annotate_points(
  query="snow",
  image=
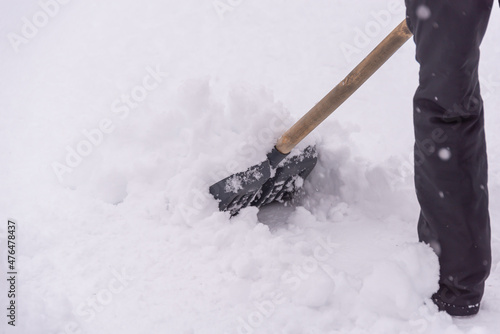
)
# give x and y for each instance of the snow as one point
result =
(118, 115)
(444, 153)
(423, 12)
(236, 182)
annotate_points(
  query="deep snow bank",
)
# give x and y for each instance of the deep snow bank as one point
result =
(137, 207)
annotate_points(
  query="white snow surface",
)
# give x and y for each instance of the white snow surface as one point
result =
(124, 237)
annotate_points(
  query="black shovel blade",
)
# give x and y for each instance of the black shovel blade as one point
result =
(275, 179)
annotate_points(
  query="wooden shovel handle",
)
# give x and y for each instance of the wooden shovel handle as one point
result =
(345, 88)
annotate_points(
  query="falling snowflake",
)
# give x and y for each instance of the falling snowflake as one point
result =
(444, 153)
(423, 12)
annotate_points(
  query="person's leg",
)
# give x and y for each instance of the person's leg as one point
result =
(450, 148)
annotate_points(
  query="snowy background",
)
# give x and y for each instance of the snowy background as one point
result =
(117, 115)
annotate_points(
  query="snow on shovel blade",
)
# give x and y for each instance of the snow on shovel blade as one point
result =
(275, 179)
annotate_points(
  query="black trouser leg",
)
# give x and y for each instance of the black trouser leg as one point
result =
(450, 148)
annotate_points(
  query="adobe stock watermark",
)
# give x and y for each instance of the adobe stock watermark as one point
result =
(222, 7)
(48, 10)
(417, 326)
(424, 149)
(291, 280)
(248, 150)
(489, 86)
(363, 36)
(87, 310)
(121, 108)
(435, 143)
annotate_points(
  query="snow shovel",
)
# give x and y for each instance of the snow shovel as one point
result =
(280, 177)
